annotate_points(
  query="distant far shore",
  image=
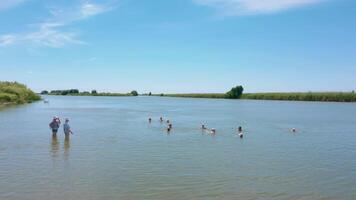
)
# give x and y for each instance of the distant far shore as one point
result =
(235, 93)
(76, 92)
(282, 96)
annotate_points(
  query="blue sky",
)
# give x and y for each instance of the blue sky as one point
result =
(179, 46)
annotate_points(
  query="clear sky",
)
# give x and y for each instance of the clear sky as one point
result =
(178, 46)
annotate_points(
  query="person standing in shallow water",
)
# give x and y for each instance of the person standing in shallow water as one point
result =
(66, 128)
(54, 125)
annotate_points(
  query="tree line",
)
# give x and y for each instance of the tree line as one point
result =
(76, 92)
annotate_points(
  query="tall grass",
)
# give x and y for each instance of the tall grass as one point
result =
(16, 93)
(294, 96)
(197, 95)
(304, 96)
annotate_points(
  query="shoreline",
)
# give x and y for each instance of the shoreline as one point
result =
(342, 97)
(336, 97)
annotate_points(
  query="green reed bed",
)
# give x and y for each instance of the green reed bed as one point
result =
(294, 96)
(304, 96)
(198, 95)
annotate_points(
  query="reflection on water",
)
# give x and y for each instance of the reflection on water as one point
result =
(54, 146)
(66, 146)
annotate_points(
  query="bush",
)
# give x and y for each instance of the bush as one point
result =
(134, 93)
(13, 92)
(235, 93)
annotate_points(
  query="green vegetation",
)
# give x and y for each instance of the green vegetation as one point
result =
(304, 96)
(76, 92)
(297, 96)
(235, 93)
(134, 93)
(197, 95)
(16, 93)
(63, 92)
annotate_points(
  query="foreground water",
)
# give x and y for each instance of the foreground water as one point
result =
(116, 154)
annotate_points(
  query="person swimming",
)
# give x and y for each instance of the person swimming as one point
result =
(170, 126)
(203, 127)
(293, 130)
(213, 131)
(168, 121)
(239, 130)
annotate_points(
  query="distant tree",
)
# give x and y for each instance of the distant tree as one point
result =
(44, 92)
(64, 92)
(149, 94)
(94, 92)
(161, 94)
(73, 91)
(353, 91)
(235, 92)
(134, 93)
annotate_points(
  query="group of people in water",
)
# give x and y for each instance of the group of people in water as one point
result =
(203, 127)
(212, 131)
(169, 124)
(56, 123)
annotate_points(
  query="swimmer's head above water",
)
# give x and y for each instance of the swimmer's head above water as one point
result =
(213, 131)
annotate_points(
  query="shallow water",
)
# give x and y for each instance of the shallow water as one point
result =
(116, 154)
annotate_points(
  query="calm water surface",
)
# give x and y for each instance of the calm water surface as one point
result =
(116, 154)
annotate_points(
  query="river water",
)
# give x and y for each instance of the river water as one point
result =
(116, 154)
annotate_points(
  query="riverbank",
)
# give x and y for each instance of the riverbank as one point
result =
(292, 96)
(196, 95)
(304, 96)
(16, 93)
